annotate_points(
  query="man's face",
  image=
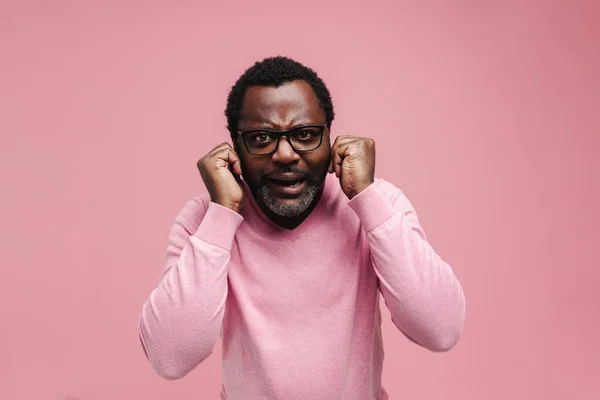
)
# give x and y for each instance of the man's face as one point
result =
(273, 179)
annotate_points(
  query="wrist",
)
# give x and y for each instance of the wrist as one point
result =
(359, 190)
(232, 205)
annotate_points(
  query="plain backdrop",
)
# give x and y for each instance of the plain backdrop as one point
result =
(485, 113)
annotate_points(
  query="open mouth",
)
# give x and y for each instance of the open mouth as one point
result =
(287, 187)
(294, 183)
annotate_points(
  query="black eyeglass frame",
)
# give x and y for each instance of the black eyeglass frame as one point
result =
(279, 134)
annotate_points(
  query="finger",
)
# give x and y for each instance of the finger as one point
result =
(330, 166)
(337, 160)
(338, 152)
(340, 140)
(210, 153)
(343, 150)
(332, 158)
(220, 147)
(230, 159)
(235, 164)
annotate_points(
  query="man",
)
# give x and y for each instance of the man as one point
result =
(287, 253)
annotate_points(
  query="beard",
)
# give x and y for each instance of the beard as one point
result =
(288, 208)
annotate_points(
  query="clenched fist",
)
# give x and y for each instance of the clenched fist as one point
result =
(353, 161)
(221, 170)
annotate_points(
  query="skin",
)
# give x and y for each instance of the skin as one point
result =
(283, 108)
(351, 158)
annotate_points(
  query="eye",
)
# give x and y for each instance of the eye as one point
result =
(262, 137)
(305, 134)
(259, 139)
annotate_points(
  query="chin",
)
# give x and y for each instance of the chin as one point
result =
(285, 207)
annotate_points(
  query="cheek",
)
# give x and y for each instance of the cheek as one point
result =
(251, 169)
(320, 160)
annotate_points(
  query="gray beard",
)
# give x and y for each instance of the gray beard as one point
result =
(284, 209)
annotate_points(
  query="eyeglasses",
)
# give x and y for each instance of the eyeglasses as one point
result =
(262, 142)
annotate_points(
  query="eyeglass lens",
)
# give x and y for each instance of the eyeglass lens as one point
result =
(302, 139)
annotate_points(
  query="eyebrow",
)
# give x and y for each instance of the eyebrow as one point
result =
(295, 126)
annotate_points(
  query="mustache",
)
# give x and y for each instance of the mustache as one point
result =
(288, 170)
(291, 170)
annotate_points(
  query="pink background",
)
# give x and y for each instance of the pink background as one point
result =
(486, 113)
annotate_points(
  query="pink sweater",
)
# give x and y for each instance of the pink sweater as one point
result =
(298, 310)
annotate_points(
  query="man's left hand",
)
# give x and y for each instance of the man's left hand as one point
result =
(353, 161)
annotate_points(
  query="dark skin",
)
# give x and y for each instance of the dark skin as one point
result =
(283, 108)
(351, 158)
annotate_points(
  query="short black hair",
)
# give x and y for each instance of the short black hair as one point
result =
(275, 71)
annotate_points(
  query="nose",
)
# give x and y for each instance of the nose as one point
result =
(285, 154)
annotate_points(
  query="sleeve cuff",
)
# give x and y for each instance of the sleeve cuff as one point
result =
(372, 208)
(219, 226)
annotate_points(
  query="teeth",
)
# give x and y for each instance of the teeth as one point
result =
(288, 183)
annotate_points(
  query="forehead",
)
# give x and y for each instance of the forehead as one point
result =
(281, 107)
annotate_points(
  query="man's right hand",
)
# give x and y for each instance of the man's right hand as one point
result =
(221, 170)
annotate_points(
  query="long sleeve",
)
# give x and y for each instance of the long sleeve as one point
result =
(425, 299)
(181, 320)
